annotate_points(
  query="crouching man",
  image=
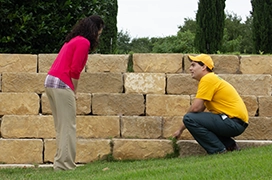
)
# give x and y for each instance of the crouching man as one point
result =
(227, 116)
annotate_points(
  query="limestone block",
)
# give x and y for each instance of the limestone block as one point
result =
(251, 104)
(19, 103)
(149, 127)
(133, 149)
(18, 63)
(21, 151)
(265, 103)
(0, 82)
(256, 64)
(83, 104)
(107, 63)
(157, 63)
(223, 64)
(98, 126)
(87, 150)
(171, 124)
(259, 128)
(247, 84)
(167, 105)
(101, 83)
(226, 64)
(23, 82)
(45, 62)
(181, 84)
(118, 104)
(145, 83)
(243, 144)
(190, 148)
(27, 126)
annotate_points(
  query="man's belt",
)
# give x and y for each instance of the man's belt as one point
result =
(243, 123)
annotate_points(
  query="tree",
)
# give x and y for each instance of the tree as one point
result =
(108, 40)
(123, 42)
(37, 26)
(262, 25)
(182, 43)
(189, 24)
(141, 45)
(210, 19)
(237, 35)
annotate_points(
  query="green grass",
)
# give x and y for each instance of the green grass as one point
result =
(253, 163)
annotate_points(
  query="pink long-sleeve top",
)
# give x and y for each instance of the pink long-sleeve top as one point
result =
(71, 60)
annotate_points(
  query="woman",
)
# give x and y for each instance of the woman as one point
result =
(61, 86)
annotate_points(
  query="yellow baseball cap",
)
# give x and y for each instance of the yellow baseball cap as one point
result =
(205, 59)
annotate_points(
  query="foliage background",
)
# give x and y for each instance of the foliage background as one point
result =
(41, 26)
(38, 26)
(237, 39)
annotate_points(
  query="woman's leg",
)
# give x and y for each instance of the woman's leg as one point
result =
(63, 105)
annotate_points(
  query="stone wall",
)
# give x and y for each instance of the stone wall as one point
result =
(121, 114)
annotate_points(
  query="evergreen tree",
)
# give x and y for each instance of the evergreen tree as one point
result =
(108, 40)
(262, 25)
(210, 20)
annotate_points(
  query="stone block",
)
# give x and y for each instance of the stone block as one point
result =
(27, 126)
(171, 125)
(167, 105)
(157, 63)
(83, 104)
(23, 82)
(135, 149)
(244, 144)
(251, 104)
(101, 83)
(181, 84)
(192, 148)
(118, 104)
(98, 126)
(18, 63)
(265, 103)
(45, 62)
(145, 83)
(21, 151)
(259, 128)
(256, 64)
(223, 64)
(88, 150)
(107, 63)
(246, 84)
(19, 104)
(144, 127)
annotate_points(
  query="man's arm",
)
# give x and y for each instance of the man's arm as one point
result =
(197, 106)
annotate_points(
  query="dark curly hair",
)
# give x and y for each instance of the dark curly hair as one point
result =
(87, 27)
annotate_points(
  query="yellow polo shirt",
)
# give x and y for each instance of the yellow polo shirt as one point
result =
(221, 97)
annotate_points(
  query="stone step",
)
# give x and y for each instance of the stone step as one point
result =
(192, 148)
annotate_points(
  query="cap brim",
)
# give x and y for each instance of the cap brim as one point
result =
(193, 58)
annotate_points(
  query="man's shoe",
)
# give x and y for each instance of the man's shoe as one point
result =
(235, 147)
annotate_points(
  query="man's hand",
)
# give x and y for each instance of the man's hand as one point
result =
(177, 133)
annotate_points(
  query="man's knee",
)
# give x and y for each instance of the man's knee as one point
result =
(187, 119)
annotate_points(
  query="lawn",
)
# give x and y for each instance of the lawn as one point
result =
(248, 164)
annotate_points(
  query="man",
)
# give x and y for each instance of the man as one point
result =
(227, 116)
